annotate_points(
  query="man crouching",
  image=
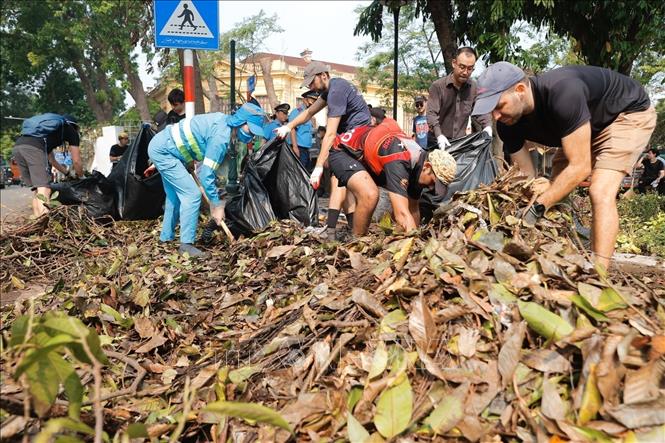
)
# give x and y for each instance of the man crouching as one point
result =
(383, 155)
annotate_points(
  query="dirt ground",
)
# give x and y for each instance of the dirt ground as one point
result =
(14, 206)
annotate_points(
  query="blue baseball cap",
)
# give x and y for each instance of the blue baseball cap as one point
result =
(496, 79)
(252, 115)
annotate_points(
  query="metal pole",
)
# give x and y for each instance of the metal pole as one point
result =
(396, 16)
(188, 80)
(232, 184)
(233, 75)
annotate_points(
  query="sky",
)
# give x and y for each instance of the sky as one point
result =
(325, 27)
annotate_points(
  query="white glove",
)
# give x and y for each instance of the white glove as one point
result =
(442, 141)
(654, 184)
(488, 129)
(315, 178)
(283, 131)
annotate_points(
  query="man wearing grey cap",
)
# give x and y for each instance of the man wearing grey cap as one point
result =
(601, 119)
(346, 110)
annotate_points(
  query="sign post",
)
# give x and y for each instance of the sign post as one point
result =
(187, 24)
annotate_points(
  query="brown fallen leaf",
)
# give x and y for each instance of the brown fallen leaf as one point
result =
(154, 342)
(144, 327)
(422, 326)
(545, 360)
(509, 355)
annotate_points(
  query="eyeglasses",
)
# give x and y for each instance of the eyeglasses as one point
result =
(419, 105)
(466, 68)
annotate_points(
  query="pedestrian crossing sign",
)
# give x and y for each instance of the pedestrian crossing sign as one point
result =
(187, 24)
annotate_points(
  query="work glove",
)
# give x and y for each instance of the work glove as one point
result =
(533, 214)
(283, 131)
(442, 141)
(315, 178)
(217, 213)
(488, 129)
(654, 184)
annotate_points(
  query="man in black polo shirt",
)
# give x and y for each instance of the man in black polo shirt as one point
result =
(601, 119)
(33, 154)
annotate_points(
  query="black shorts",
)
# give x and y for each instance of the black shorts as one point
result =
(33, 164)
(343, 165)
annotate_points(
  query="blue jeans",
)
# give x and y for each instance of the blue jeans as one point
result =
(183, 198)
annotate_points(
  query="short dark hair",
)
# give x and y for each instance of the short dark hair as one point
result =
(176, 96)
(321, 128)
(466, 50)
(654, 151)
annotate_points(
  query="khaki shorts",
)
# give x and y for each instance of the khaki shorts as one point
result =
(619, 145)
(34, 166)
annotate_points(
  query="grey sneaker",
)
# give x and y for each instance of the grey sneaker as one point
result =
(191, 250)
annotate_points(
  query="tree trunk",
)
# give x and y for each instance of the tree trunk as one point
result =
(215, 102)
(90, 93)
(199, 105)
(136, 91)
(266, 68)
(441, 12)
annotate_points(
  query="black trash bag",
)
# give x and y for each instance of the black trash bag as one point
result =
(275, 186)
(475, 166)
(95, 193)
(138, 197)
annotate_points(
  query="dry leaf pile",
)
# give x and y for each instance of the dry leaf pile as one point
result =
(477, 329)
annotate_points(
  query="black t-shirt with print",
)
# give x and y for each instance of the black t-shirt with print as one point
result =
(566, 98)
(400, 176)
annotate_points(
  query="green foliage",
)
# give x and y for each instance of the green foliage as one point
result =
(658, 136)
(251, 34)
(47, 348)
(603, 33)
(642, 220)
(419, 56)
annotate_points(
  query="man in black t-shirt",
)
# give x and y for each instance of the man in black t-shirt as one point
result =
(177, 101)
(118, 150)
(653, 173)
(601, 119)
(33, 155)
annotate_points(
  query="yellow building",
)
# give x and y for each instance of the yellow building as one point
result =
(287, 75)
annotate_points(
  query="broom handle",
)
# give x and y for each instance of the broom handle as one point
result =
(205, 196)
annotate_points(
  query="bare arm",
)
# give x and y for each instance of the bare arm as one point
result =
(577, 149)
(75, 151)
(402, 211)
(328, 139)
(55, 163)
(308, 114)
(414, 208)
(522, 159)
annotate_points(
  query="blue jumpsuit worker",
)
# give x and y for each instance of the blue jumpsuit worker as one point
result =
(301, 136)
(279, 119)
(204, 138)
